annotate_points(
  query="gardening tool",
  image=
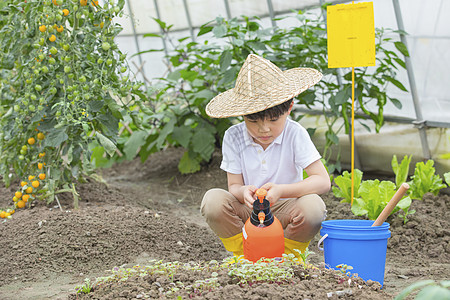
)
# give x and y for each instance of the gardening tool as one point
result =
(391, 204)
(263, 235)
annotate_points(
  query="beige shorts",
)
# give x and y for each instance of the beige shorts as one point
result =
(301, 218)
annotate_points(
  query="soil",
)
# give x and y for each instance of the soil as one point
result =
(138, 212)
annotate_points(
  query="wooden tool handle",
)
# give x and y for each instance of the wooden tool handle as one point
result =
(390, 206)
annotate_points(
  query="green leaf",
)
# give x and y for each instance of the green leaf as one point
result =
(433, 292)
(203, 143)
(343, 96)
(447, 178)
(188, 165)
(375, 195)
(204, 30)
(358, 207)
(162, 24)
(109, 146)
(136, 140)
(402, 48)
(408, 290)
(182, 135)
(96, 105)
(175, 75)
(114, 107)
(344, 185)
(229, 76)
(395, 82)
(205, 94)
(425, 180)
(256, 45)
(56, 137)
(396, 102)
(225, 60)
(404, 204)
(219, 30)
(188, 75)
(252, 26)
(332, 137)
(401, 171)
(152, 35)
(109, 124)
(400, 62)
(97, 157)
(165, 131)
(315, 48)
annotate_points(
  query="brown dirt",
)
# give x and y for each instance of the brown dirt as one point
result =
(149, 211)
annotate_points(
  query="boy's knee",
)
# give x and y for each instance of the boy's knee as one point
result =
(213, 203)
(314, 209)
(309, 212)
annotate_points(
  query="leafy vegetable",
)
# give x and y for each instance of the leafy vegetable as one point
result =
(425, 180)
(344, 183)
(447, 178)
(400, 171)
(374, 196)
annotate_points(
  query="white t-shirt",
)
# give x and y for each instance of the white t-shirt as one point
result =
(281, 163)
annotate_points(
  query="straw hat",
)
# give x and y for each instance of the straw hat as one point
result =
(260, 85)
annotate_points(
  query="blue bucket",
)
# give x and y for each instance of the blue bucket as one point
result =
(356, 243)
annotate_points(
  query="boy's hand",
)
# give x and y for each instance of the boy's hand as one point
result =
(249, 195)
(274, 192)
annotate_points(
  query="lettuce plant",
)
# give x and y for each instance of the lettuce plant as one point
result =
(374, 196)
(447, 178)
(400, 170)
(425, 180)
(344, 186)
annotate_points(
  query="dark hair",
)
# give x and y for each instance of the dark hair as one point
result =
(271, 113)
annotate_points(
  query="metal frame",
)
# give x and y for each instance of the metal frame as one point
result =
(419, 122)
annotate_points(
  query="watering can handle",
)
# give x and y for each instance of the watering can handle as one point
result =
(320, 241)
(391, 205)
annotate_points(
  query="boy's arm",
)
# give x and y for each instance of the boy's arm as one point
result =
(244, 193)
(318, 182)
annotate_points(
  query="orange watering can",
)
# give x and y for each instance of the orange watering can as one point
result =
(263, 235)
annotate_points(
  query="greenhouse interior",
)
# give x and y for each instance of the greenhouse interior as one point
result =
(212, 149)
(421, 124)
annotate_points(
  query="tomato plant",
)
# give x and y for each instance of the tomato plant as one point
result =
(64, 85)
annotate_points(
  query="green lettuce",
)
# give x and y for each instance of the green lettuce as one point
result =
(344, 185)
(401, 170)
(447, 178)
(425, 180)
(373, 198)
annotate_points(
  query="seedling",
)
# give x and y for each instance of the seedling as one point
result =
(344, 269)
(85, 288)
(304, 255)
(344, 272)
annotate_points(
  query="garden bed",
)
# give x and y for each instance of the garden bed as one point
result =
(145, 212)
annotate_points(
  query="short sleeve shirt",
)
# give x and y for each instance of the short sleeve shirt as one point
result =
(282, 162)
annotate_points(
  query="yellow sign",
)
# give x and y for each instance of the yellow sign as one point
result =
(351, 35)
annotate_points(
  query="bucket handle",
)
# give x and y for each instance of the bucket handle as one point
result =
(320, 241)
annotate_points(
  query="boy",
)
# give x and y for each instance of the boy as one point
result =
(267, 150)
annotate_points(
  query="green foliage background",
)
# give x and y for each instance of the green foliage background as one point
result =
(199, 70)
